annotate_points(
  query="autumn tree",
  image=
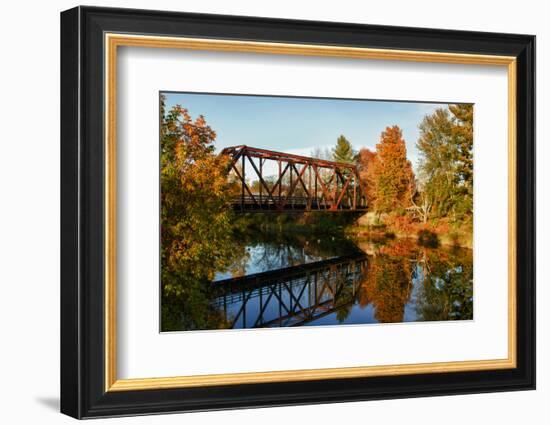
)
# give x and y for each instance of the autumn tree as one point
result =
(343, 151)
(195, 213)
(367, 165)
(392, 172)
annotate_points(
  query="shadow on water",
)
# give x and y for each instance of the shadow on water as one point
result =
(282, 279)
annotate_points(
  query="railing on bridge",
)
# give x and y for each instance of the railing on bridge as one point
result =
(292, 296)
(300, 183)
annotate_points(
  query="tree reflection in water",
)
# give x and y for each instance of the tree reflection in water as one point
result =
(267, 283)
(435, 283)
(446, 290)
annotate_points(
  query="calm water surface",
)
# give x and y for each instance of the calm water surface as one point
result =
(328, 280)
(288, 252)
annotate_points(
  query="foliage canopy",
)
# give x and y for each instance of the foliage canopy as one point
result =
(195, 213)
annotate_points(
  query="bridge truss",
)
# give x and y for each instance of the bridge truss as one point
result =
(299, 183)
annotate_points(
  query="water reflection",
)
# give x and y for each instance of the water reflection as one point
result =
(279, 251)
(308, 280)
(292, 296)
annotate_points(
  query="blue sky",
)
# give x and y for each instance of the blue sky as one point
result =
(299, 125)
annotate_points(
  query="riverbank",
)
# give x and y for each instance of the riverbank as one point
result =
(319, 223)
(348, 225)
(440, 231)
(424, 236)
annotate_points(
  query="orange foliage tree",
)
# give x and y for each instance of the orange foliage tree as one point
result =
(366, 161)
(387, 174)
(194, 203)
(195, 217)
(394, 174)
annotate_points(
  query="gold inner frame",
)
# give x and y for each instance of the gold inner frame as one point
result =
(113, 41)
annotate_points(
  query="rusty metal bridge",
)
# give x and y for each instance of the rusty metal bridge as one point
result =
(300, 183)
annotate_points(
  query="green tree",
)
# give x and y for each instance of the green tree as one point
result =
(437, 161)
(446, 161)
(343, 151)
(463, 136)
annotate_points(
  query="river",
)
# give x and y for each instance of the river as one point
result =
(278, 280)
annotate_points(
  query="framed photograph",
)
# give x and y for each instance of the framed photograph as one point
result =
(261, 212)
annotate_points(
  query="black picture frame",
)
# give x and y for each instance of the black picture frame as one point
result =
(83, 392)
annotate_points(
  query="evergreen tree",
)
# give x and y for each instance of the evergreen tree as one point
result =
(446, 163)
(392, 174)
(342, 152)
(463, 137)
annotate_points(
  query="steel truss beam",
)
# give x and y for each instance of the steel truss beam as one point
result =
(302, 183)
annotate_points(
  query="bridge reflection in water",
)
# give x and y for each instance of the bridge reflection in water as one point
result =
(291, 296)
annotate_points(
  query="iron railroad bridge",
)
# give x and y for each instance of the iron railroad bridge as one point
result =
(302, 183)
